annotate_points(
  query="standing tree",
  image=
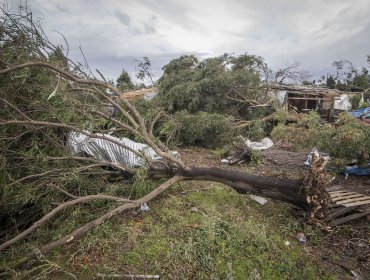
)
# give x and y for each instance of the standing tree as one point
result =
(124, 81)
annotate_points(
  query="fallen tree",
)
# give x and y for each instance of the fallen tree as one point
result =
(89, 98)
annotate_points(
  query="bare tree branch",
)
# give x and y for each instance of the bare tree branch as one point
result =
(93, 224)
(62, 206)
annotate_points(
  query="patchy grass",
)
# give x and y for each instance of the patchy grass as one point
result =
(208, 234)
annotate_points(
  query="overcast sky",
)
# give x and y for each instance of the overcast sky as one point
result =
(113, 33)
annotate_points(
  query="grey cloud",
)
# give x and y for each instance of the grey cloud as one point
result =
(62, 8)
(148, 29)
(314, 33)
(123, 18)
(136, 28)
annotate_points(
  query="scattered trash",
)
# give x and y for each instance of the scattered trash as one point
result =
(244, 150)
(315, 153)
(194, 209)
(350, 170)
(258, 199)
(357, 170)
(144, 207)
(287, 243)
(265, 144)
(301, 237)
(354, 273)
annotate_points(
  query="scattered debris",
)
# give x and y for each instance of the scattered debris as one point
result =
(287, 243)
(359, 112)
(315, 153)
(144, 207)
(301, 237)
(109, 149)
(265, 144)
(261, 200)
(194, 209)
(357, 170)
(244, 150)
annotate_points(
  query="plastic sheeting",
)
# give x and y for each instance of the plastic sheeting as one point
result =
(357, 170)
(359, 112)
(265, 144)
(103, 149)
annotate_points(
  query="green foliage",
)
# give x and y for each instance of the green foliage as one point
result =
(124, 81)
(141, 184)
(309, 120)
(145, 73)
(32, 180)
(214, 85)
(257, 131)
(348, 139)
(355, 101)
(365, 105)
(204, 129)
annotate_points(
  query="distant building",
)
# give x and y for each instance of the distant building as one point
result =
(327, 102)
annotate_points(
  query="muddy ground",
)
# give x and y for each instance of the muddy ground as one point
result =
(344, 250)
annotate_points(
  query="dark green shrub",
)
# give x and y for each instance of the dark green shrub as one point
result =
(203, 129)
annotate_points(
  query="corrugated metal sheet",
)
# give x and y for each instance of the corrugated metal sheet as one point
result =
(103, 149)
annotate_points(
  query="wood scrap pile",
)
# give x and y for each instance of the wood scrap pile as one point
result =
(241, 154)
(331, 205)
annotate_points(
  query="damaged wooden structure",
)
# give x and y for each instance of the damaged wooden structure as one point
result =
(346, 206)
(327, 102)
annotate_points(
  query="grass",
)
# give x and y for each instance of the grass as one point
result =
(209, 234)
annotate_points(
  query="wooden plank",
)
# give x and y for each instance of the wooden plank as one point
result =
(353, 200)
(338, 198)
(341, 191)
(344, 195)
(336, 193)
(364, 202)
(348, 218)
(341, 212)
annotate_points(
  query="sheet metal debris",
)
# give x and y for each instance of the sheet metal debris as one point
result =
(104, 149)
(259, 199)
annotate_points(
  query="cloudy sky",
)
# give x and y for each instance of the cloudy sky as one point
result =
(115, 33)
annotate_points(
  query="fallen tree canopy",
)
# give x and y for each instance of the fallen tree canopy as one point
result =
(46, 96)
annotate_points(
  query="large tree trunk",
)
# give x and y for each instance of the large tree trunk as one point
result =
(283, 189)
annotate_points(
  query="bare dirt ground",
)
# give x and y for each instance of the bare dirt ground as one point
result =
(345, 250)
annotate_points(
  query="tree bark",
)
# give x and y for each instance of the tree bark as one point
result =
(283, 189)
